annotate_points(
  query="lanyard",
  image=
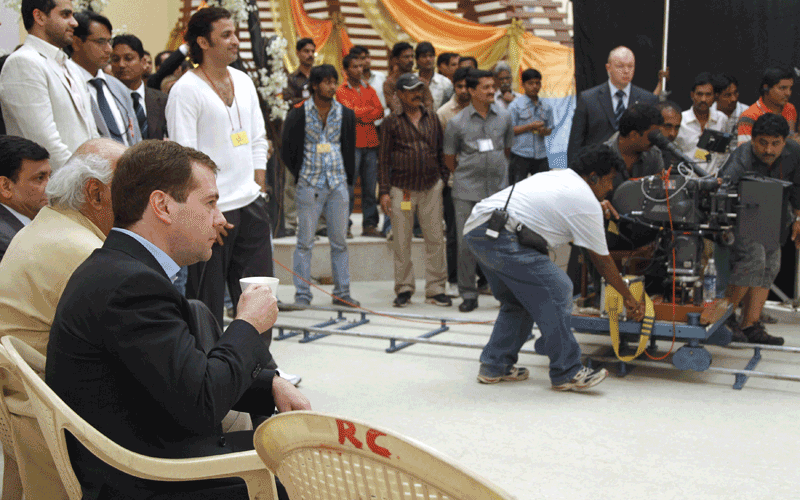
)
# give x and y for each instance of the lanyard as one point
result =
(223, 100)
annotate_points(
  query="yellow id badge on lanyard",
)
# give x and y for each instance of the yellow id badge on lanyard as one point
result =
(405, 205)
(324, 147)
(239, 139)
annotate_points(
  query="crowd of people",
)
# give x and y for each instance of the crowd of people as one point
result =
(132, 200)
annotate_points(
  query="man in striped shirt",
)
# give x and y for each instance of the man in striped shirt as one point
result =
(412, 175)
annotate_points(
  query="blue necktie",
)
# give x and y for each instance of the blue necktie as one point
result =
(620, 107)
(105, 110)
(140, 116)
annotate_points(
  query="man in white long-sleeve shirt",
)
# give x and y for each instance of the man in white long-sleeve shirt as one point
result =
(43, 95)
(215, 109)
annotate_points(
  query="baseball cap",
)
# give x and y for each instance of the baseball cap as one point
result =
(408, 81)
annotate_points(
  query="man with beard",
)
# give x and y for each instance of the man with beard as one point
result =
(319, 141)
(43, 95)
(697, 120)
(215, 109)
(402, 60)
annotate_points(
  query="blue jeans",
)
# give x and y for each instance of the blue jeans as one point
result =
(367, 168)
(311, 203)
(530, 288)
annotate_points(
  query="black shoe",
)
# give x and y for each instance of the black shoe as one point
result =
(346, 301)
(756, 334)
(323, 232)
(286, 233)
(439, 300)
(736, 331)
(468, 305)
(403, 299)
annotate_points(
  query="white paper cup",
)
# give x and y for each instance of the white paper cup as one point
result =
(261, 280)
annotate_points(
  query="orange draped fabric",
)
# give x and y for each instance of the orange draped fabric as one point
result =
(318, 30)
(447, 32)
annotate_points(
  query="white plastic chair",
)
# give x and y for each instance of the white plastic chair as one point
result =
(12, 482)
(319, 456)
(55, 417)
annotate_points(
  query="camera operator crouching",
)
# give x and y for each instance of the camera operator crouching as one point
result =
(753, 267)
(510, 233)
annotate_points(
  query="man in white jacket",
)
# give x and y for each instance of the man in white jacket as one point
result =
(43, 96)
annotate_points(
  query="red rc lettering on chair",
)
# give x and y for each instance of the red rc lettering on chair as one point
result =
(347, 430)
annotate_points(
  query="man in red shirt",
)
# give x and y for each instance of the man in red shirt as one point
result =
(776, 89)
(357, 95)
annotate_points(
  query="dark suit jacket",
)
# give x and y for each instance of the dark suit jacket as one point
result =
(123, 355)
(9, 227)
(294, 135)
(593, 122)
(156, 102)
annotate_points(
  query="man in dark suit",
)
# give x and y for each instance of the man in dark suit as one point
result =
(123, 348)
(127, 64)
(24, 172)
(598, 109)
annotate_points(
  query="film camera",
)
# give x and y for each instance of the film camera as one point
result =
(678, 212)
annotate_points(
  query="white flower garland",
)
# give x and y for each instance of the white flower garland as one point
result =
(238, 8)
(271, 81)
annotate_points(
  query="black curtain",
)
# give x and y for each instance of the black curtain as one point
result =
(738, 37)
(601, 26)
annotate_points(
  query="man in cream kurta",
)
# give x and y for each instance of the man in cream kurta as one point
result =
(33, 274)
(43, 96)
(34, 271)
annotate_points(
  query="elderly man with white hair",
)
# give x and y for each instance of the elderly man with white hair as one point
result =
(503, 84)
(33, 274)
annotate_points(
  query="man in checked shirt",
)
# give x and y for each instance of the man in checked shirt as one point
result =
(411, 175)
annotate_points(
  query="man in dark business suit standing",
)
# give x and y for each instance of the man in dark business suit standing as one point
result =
(598, 109)
(127, 64)
(124, 351)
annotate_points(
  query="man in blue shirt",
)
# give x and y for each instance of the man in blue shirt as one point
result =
(533, 121)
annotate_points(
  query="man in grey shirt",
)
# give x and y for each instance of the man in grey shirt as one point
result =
(477, 144)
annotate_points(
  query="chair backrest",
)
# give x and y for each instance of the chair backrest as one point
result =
(48, 409)
(6, 431)
(55, 417)
(313, 452)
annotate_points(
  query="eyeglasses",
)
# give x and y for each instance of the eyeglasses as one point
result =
(100, 41)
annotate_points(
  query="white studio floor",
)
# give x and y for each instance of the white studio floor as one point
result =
(655, 434)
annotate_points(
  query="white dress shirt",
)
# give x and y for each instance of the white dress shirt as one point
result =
(25, 220)
(376, 79)
(439, 86)
(625, 98)
(690, 133)
(45, 99)
(110, 99)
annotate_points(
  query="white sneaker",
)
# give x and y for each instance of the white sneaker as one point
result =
(452, 290)
(583, 380)
(292, 379)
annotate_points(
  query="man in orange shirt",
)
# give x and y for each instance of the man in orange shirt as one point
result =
(775, 89)
(357, 95)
